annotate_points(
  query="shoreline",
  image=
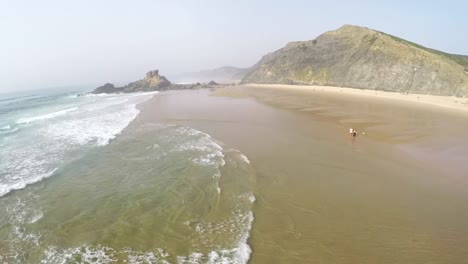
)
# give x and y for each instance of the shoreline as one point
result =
(447, 102)
(242, 252)
(315, 200)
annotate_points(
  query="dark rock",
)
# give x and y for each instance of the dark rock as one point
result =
(106, 88)
(152, 82)
(152, 74)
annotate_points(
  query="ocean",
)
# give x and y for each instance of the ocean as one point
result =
(83, 181)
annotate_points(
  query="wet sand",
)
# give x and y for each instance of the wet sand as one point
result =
(451, 102)
(396, 194)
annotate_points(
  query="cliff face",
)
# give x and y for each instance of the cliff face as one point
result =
(359, 57)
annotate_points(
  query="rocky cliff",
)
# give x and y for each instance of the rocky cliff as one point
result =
(359, 57)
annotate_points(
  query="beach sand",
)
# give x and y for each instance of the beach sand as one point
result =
(435, 100)
(395, 194)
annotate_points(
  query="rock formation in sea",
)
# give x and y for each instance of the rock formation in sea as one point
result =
(152, 82)
(359, 57)
(107, 88)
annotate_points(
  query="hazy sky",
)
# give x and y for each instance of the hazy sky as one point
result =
(63, 43)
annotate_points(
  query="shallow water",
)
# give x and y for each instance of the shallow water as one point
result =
(41, 133)
(156, 193)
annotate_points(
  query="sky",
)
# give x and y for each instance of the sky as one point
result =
(57, 43)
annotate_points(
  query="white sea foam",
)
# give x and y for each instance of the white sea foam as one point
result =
(248, 196)
(27, 163)
(95, 95)
(94, 128)
(147, 257)
(21, 235)
(207, 151)
(28, 120)
(7, 127)
(121, 94)
(103, 254)
(194, 258)
(211, 153)
(244, 158)
(19, 213)
(104, 104)
(237, 255)
(243, 250)
(36, 217)
(87, 254)
(9, 130)
(23, 181)
(44, 147)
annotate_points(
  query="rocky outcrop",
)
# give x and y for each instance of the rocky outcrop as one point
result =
(152, 82)
(107, 88)
(363, 58)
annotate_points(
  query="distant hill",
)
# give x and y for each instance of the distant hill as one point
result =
(359, 57)
(225, 74)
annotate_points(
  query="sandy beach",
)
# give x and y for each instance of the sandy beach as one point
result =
(451, 102)
(395, 194)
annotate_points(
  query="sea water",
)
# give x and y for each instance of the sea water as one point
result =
(81, 183)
